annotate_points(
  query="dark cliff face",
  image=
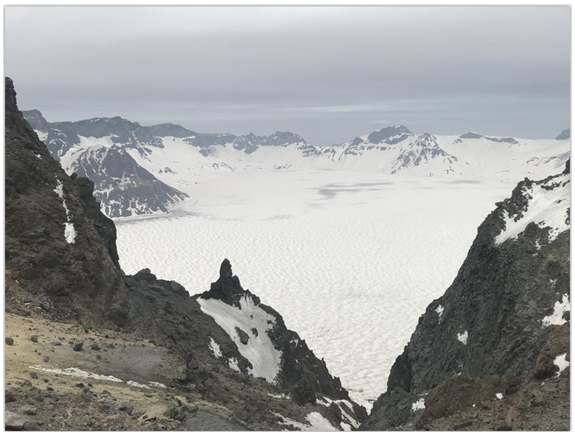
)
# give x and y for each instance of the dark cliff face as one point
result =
(505, 316)
(59, 247)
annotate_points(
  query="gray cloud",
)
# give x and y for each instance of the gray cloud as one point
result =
(325, 73)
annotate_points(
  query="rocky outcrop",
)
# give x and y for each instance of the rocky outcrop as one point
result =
(258, 326)
(564, 135)
(497, 341)
(59, 249)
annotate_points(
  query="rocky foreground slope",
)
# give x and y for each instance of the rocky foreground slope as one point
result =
(493, 352)
(88, 347)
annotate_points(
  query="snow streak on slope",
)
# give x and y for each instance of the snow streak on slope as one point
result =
(351, 260)
(259, 350)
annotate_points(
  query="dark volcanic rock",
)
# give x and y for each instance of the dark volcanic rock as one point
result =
(244, 337)
(79, 277)
(9, 341)
(490, 325)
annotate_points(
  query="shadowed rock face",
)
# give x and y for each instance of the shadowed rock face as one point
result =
(122, 186)
(490, 325)
(78, 279)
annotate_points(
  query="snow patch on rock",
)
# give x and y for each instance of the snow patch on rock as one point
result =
(463, 337)
(79, 373)
(548, 207)
(316, 423)
(561, 362)
(69, 230)
(215, 348)
(439, 311)
(561, 307)
(259, 351)
(416, 406)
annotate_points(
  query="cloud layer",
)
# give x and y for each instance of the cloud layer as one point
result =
(328, 74)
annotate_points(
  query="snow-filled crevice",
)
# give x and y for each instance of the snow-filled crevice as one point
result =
(69, 230)
(259, 351)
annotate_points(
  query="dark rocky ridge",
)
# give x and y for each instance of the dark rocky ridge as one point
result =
(82, 283)
(80, 280)
(564, 135)
(61, 136)
(123, 187)
(485, 336)
(473, 135)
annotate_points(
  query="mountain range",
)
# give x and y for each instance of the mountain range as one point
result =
(148, 169)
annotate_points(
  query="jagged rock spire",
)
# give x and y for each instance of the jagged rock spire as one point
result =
(227, 288)
(226, 269)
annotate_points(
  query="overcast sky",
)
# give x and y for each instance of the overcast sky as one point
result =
(329, 74)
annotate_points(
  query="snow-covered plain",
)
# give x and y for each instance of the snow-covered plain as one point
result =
(350, 259)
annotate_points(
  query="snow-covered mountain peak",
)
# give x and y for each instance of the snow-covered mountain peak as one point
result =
(425, 150)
